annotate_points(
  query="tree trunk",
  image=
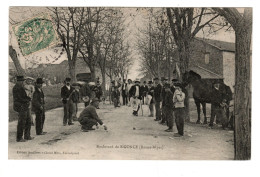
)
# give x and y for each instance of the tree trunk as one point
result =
(13, 55)
(184, 56)
(93, 73)
(103, 74)
(72, 71)
(243, 93)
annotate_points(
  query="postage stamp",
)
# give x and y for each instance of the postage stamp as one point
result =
(35, 34)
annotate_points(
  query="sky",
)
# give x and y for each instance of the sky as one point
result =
(134, 20)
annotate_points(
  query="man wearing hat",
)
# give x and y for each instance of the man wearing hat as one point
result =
(150, 98)
(66, 92)
(124, 89)
(144, 91)
(21, 103)
(164, 81)
(88, 117)
(85, 94)
(168, 107)
(38, 107)
(29, 89)
(98, 91)
(157, 98)
(114, 94)
(129, 86)
(135, 92)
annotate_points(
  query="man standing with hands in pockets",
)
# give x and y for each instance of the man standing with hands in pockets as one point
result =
(66, 92)
(38, 107)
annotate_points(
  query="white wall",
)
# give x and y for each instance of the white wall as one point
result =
(229, 69)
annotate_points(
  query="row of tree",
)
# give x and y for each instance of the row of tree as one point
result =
(95, 35)
(157, 45)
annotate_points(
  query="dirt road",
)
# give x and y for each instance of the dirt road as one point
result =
(128, 137)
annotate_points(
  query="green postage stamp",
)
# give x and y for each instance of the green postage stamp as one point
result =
(35, 34)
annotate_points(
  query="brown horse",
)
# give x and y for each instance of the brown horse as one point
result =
(202, 91)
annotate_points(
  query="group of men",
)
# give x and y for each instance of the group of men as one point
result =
(26, 98)
(91, 96)
(123, 89)
(167, 98)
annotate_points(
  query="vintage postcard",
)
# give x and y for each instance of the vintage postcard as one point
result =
(129, 83)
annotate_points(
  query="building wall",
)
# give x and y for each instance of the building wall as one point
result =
(198, 51)
(229, 69)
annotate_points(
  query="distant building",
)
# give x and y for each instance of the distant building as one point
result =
(213, 60)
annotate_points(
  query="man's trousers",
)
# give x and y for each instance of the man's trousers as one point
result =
(220, 114)
(68, 111)
(179, 119)
(169, 116)
(24, 125)
(39, 121)
(158, 110)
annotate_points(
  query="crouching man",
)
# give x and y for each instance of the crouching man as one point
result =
(88, 117)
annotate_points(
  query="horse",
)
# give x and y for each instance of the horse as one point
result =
(202, 92)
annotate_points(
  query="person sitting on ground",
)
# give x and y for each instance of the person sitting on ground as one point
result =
(88, 117)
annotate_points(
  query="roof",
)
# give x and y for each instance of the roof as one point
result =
(221, 45)
(205, 73)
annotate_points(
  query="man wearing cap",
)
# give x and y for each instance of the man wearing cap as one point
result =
(38, 107)
(21, 104)
(150, 97)
(29, 89)
(164, 81)
(157, 98)
(174, 81)
(88, 117)
(135, 92)
(66, 92)
(179, 109)
(218, 103)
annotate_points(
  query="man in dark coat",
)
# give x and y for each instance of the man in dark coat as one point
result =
(150, 96)
(164, 81)
(21, 105)
(38, 107)
(144, 91)
(114, 94)
(124, 92)
(135, 92)
(157, 98)
(66, 92)
(88, 117)
(98, 90)
(85, 94)
(168, 107)
(217, 105)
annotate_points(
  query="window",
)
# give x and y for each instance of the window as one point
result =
(207, 58)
